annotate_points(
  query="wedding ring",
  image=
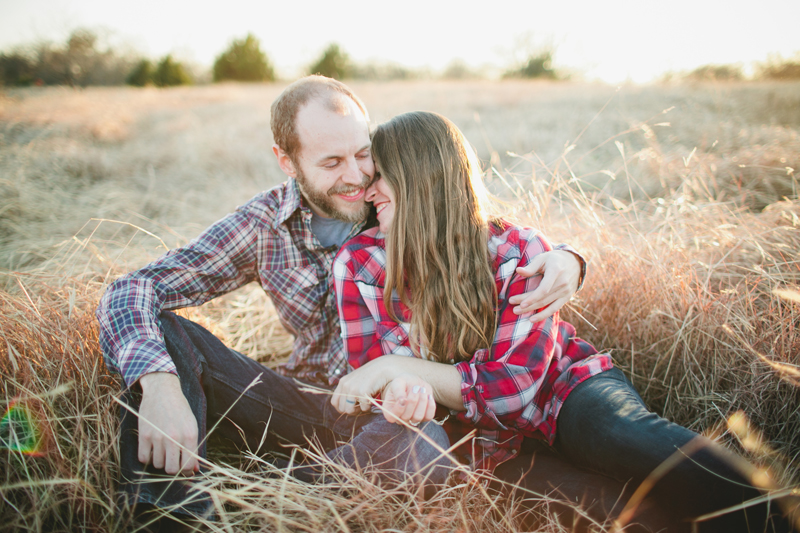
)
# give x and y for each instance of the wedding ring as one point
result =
(415, 424)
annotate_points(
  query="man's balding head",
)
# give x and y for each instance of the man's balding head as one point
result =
(331, 93)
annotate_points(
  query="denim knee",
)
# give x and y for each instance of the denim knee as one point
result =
(398, 451)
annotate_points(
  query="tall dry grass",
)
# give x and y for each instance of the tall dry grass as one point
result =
(693, 260)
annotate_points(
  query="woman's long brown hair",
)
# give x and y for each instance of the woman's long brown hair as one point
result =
(437, 255)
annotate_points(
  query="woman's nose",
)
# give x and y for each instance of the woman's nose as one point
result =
(372, 191)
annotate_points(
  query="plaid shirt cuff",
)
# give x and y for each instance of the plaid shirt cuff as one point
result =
(581, 260)
(144, 357)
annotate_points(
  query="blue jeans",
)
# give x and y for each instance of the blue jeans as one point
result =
(605, 428)
(215, 381)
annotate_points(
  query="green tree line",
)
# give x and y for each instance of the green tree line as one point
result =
(83, 60)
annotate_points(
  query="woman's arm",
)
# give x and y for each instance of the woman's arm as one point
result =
(443, 379)
(407, 395)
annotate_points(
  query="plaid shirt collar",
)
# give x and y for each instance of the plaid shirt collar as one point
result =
(292, 201)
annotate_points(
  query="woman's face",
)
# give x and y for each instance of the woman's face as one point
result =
(382, 197)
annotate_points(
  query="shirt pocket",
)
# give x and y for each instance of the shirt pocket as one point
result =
(296, 293)
(393, 338)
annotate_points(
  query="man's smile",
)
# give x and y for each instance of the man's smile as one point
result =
(351, 196)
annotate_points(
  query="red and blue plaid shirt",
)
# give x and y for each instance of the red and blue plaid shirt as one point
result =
(268, 240)
(512, 390)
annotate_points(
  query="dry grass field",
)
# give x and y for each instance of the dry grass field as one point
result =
(684, 198)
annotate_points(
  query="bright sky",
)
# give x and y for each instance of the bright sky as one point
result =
(614, 40)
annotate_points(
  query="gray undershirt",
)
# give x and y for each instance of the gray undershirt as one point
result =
(330, 231)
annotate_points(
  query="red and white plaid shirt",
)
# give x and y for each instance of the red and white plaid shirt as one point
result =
(512, 390)
(268, 240)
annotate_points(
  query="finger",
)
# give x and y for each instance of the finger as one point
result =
(422, 407)
(535, 266)
(172, 458)
(545, 294)
(188, 462)
(341, 400)
(413, 399)
(145, 445)
(527, 271)
(539, 297)
(533, 301)
(158, 454)
(397, 400)
(548, 311)
(336, 396)
(348, 405)
(364, 404)
(431, 410)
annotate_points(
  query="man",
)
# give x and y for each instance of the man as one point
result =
(182, 381)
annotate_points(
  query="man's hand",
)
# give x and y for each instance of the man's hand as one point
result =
(562, 272)
(164, 408)
(410, 399)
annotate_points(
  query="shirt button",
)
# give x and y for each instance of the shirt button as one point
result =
(337, 372)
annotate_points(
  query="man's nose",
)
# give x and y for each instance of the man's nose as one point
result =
(352, 174)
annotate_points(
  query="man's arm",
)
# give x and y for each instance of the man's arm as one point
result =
(167, 426)
(218, 261)
(563, 272)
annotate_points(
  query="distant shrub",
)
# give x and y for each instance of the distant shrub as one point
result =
(170, 72)
(385, 71)
(334, 63)
(141, 75)
(243, 61)
(716, 73)
(459, 70)
(82, 60)
(538, 65)
(16, 69)
(778, 68)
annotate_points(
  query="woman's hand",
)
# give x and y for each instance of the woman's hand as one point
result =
(561, 272)
(355, 390)
(405, 395)
(408, 398)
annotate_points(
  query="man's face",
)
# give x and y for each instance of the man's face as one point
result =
(334, 165)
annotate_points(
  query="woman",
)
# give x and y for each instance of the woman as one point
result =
(424, 307)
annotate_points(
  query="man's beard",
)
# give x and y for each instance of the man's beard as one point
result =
(324, 199)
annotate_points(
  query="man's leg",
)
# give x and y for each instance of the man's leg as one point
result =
(604, 426)
(233, 396)
(239, 399)
(396, 452)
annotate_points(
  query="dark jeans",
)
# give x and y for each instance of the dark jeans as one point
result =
(265, 417)
(604, 428)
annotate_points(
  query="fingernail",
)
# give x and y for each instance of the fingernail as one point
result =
(416, 389)
(430, 397)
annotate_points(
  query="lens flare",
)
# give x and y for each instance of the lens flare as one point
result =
(19, 431)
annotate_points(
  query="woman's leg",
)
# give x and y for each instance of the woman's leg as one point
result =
(604, 426)
(575, 495)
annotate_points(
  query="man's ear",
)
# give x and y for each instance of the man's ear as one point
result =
(284, 161)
